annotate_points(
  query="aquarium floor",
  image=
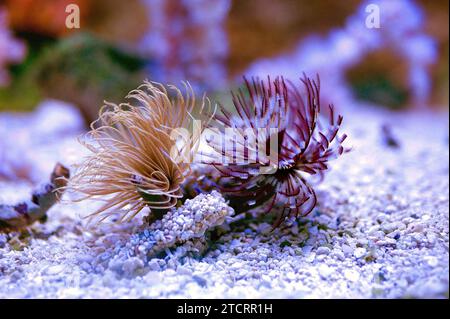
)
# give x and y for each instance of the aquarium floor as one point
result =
(380, 230)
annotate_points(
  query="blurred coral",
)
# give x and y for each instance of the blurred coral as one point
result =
(11, 50)
(332, 56)
(267, 28)
(83, 69)
(188, 40)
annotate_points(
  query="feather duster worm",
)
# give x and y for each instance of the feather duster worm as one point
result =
(136, 162)
(304, 145)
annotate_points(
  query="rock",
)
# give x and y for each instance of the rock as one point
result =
(291, 276)
(153, 265)
(325, 271)
(132, 265)
(390, 209)
(347, 250)
(321, 258)
(359, 252)
(432, 261)
(184, 271)
(314, 230)
(185, 225)
(388, 228)
(116, 265)
(86, 281)
(310, 258)
(54, 270)
(387, 242)
(380, 276)
(323, 250)
(339, 255)
(200, 280)
(72, 293)
(415, 227)
(3, 240)
(351, 275)
(372, 230)
(378, 292)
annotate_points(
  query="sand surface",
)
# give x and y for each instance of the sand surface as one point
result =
(380, 230)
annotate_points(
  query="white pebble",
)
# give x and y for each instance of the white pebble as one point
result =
(351, 275)
(323, 250)
(325, 271)
(359, 252)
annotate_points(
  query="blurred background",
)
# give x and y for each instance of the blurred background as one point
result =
(211, 43)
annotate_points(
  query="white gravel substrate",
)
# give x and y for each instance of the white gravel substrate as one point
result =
(380, 231)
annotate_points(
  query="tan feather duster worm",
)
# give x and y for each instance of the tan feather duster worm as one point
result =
(134, 161)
